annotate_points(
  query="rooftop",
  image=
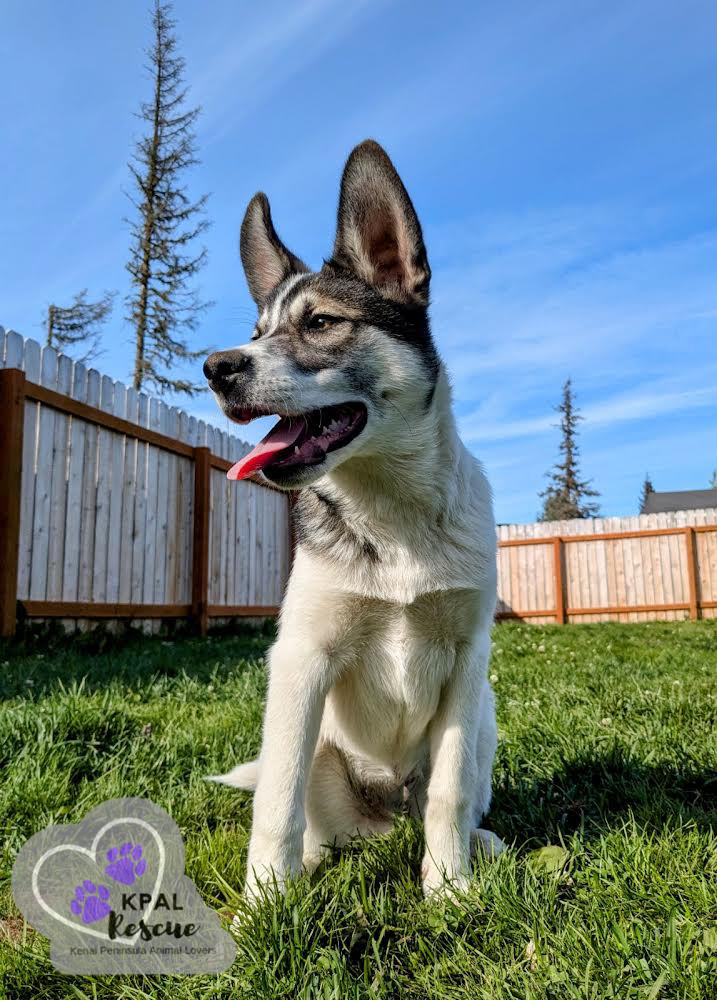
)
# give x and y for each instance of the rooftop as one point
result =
(658, 502)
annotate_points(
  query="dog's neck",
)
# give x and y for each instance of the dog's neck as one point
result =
(416, 479)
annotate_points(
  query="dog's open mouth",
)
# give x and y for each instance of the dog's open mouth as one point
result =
(300, 440)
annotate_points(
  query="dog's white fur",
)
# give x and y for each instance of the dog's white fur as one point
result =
(382, 663)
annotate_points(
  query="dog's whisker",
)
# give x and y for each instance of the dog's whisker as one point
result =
(391, 403)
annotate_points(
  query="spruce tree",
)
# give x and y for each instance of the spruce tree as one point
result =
(567, 495)
(164, 305)
(647, 489)
(78, 326)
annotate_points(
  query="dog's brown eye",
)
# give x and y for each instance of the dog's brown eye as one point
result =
(320, 321)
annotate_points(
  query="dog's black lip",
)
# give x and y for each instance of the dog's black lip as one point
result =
(245, 414)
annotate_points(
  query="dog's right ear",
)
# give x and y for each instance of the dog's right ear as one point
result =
(266, 260)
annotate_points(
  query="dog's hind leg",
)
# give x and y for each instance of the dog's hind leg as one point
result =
(336, 810)
(486, 746)
(483, 842)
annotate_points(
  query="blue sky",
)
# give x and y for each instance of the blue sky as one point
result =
(562, 157)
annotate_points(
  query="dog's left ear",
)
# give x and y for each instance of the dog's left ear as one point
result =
(379, 236)
(266, 260)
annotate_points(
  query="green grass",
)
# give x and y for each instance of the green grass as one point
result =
(608, 752)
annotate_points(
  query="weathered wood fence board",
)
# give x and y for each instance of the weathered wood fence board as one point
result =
(106, 504)
(114, 505)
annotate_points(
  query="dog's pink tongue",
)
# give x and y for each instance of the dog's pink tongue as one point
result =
(278, 438)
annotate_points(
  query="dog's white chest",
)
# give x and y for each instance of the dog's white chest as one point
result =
(409, 669)
(394, 669)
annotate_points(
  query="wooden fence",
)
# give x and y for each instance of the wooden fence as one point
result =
(115, 506)
(655, 566)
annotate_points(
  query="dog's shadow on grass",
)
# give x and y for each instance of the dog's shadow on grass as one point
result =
(38, 662)
(588, 797)
(598, 792)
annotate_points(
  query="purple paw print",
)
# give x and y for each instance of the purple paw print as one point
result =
(125, 863)
(90, 902)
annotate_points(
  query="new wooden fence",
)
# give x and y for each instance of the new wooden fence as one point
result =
(655, 566)
(115, 506)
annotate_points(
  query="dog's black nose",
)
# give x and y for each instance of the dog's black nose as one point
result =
(222, 364)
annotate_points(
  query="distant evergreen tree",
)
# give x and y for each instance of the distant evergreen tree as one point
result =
(567, 495)
(647, 489)
(163, 307)
(713, 481)
(78, 326)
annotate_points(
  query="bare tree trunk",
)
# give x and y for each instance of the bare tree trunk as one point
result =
(148, 232)
(50, 324)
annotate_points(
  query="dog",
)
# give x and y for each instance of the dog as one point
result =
(378, 700)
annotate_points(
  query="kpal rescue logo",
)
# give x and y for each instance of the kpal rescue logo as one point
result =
(112, 896)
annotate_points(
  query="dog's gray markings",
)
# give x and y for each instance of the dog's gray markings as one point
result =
(320, 525)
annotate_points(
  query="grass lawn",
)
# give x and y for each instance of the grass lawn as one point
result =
(608, 755)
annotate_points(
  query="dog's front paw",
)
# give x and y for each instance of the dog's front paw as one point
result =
(438, 882)
(270, 863)
(262, 882)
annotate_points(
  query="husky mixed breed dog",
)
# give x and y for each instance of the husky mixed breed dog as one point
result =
(378, 698)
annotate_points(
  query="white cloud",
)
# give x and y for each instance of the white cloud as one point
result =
(570, 303)
(650, 401)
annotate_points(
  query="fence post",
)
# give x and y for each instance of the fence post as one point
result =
(691, 543)
(12, 421)
(558, 579)
(200, 548)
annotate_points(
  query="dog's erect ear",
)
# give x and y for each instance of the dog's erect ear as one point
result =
(265, 258)
(379, 236)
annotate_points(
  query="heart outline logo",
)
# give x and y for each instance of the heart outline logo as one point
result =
(91, 853)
